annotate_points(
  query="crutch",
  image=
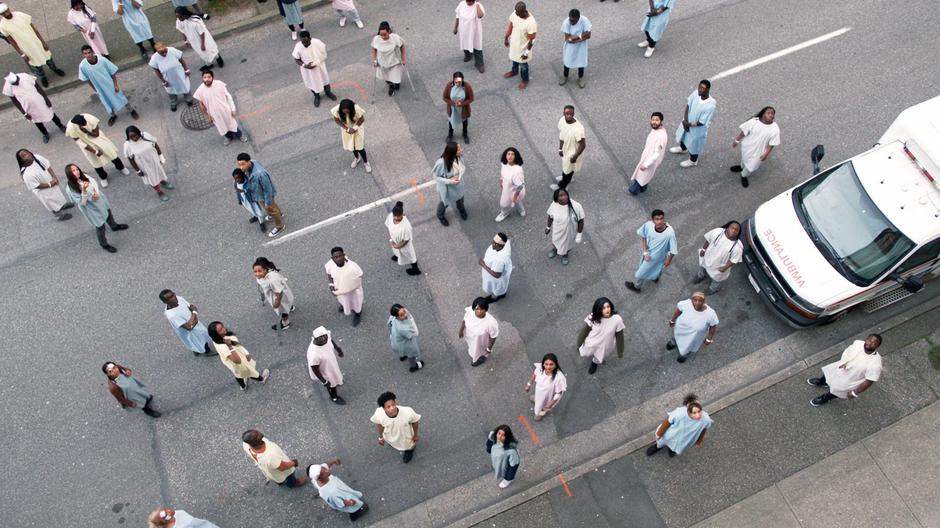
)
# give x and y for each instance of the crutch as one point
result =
(408, 74)
(372, 99)
(277, 323)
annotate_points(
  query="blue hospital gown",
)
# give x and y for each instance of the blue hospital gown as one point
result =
(683, 431)
(656, 25)
(99, 75)
(576, 54)
(500, 262)
(135, 21)
(335, 491)
(701, 111)
(659, 245)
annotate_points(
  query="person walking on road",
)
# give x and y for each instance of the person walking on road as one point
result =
(336, 493)
(565, 223)
(396, 425)
(143, 153)
(271, 460)
(241, 196)
(576, 30)
(85, 21)
(468, 26)
(290, 10)
(550, 385)
(135, 22)
(310, 55)
(693, 130)
(171, 518)
(403, 335)
(217, 105)
(39, 178)
(101, 75)
(496, 268)
(721, 251)
(571, 145)
(92, 203)
(184, 319)
(198, 37)
(504, 454)
(659, 247)
(694, 323)
(511, 184)
(18, 30)
(519, 38)
(757, 136)
(32, 101)
(130, 393)
(856, 371)
(458, 94)
(479, 329)
(172, 70)
(388, 57)
(345, 278)
(322, 364)
(654, 24)
(448, 172)
(350, 117)
(601, 333)
(652, 156)
(400, 239)
(346, 9)
(260, 187)
(96, 146)
(274, 290)
(234, 356)
(684, 427)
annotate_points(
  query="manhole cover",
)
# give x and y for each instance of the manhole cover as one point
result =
(192, 117)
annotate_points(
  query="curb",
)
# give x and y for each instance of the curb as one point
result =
(438, 511)
(132, 62)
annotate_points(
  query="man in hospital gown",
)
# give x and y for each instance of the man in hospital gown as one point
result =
(693, 130)
(496, 268)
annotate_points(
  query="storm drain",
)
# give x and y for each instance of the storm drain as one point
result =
(192, 118)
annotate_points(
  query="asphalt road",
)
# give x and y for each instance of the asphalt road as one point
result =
(70, 306)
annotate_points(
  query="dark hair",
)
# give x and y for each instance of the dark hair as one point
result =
(87, 47)
(691, 401)
(238, 172)
(480, 302)
(73, 181)
(598, 309)
(558, 192)
(554, 358)
(214, 332)
(19, 159)
(132, 128)
(457, 74)
(347, 110)
(185, 12)
(878, 337)
(449, 155)
(79, 120)
(514, 150)
(335, 249)
(385, 397)
(510, 438)
(243, 156)
(265, 263)
(574, 13)
(657, 212)
(207, 69)
(503, 236)
(384, 25)
(657, 114)
(253, 437)
(304, 33)
(164, 294)
(760, 114)
(569, 106)
(84, 7)
(707, 83)
(733, 222)
(105, 365)
(398, 209)
(395, 309)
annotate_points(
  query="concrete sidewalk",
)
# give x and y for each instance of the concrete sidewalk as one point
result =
(773, 460)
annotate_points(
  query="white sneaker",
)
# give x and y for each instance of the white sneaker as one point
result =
(226, 141)
(642, 44)
(521, 211)
(125, 172)
(688, 163)
(553, 187)
(359, 24)
(275, 232)
(368, 167)
(354, 164)
(342, 21)
(676, 150)
(104, 183)
(649, 52)
(504, 484)
(293, 35)
(501, 216)
(265, 374)
(557, 178)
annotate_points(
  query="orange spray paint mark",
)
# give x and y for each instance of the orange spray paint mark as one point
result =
(414, 183)
(535, 439)
(565, 484)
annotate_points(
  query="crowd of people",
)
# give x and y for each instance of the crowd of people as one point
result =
(694, 322)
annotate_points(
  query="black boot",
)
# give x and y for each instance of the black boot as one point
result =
(466, 137)
(329, 92)
(220, 62)
(413, 270)
(467, 56)
(461, 209)
(450, 132)
(316, 99)
(441, 209)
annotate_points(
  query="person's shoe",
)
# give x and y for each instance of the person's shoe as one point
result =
(265, 374)
(553, 186)
(152, 413)
(331, 95)
(45, 82)
(818, 400)
(413, 271)
(523, 85)
(480, 68)
(342, 21)
(466, 139)
(553, 253)
(67, 206)
(111, 120)
(676, 150)
(119, 227)
(340, 308)
(354, 516)
(688, 163)
(631, 286)
(244, 138)
(463, 214)
(104, 183)
(406, 456)
(652, 450)
(478, 362)
(521, 211)
(698, 279)
(293, 35)
(503, 484)
(563, 81)
(359, 24)
(670, 345)
(338, 400)
(134, 114)
(243, 387)
(368, 167)
(355, 163)
(817, 382)
(109, 248)
(226, 141)
(164, 197)
(205, 16)
(62, 128)
(681, 359)
(282, 324)
(500, 217)
(125, 172)
(467, 57)
(394, 258)
(402, 358)
(417, 367)
(649, 52)
(356, 318)
(671, 452)
(593, 368)
(45, 138)
(509, 74)
(316, 100)
(172, 108)
(564, 260)
(736, 168)
(444, 221)
(63, 217)
(275, 232)
(220, 62)
(263, 226)
(744, 182)
(642, 44)
(189, 102)
(581, 82)
(391, 89)
(167, 185)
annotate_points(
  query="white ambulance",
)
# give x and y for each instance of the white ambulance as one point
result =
(863, 232)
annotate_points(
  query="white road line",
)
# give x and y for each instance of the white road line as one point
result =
(781, 53)
(342, 216)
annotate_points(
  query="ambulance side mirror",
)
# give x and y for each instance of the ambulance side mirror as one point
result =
(913, 284)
